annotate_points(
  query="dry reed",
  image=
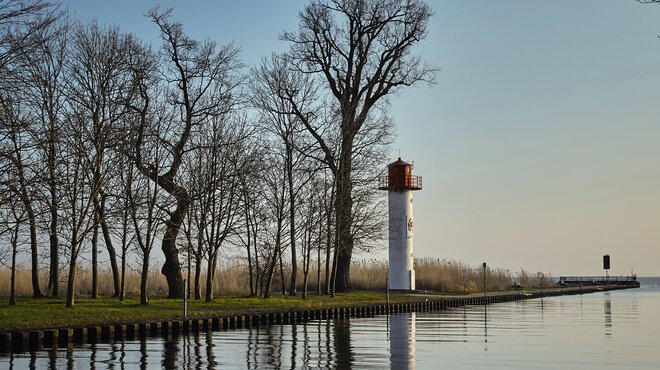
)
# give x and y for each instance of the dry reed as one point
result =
(431, 274)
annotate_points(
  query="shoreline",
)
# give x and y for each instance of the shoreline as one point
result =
(37, 339)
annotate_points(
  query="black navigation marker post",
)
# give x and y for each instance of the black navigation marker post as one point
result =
(606, 265)
(485, 294)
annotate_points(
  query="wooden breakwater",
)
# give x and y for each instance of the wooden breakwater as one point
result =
(37, 340)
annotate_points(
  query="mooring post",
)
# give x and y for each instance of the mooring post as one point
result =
(185, 299)
(387, 287)
(485, 294)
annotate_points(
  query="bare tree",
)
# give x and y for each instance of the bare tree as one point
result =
(142, 198)
(275, 202)
(123, 184)
(223, 150)
(78, 193)
(17, 153)
(312, 227)
(99, 72)
(200, 78)
(45, 81)
(360, 52)
(19, 21)
(12, 216)
(251, 193)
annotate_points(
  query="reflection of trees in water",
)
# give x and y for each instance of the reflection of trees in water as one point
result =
(52, 359)
(210, 357)
(342, 343)
(197, 348)
(143, 354)
(307, 351)
(251, 355)
(273, 354)
(33, 360)
(294, 343)
(328, 344)
(170, 353)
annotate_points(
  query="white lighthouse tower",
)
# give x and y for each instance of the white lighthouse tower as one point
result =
(400, 184)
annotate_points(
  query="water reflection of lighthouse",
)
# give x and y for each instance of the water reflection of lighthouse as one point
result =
(400, 184)
(401, 328)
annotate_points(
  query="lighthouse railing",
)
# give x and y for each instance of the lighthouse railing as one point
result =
(386, 182)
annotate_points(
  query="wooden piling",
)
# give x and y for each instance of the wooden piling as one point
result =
(19, 341)
(79, 335)
(5, 342)
(50, 338)
(64, 336)
(35, 339)
(93, 334)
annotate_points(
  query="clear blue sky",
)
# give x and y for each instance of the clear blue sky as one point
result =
(539, 145)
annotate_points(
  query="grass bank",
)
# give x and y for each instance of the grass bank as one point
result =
(45, 313)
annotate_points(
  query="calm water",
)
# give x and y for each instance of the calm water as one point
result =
(604, 330)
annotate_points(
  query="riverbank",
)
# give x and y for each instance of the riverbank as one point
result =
(47, 313)
(108, 325)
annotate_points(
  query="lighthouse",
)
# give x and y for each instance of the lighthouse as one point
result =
(400, 183)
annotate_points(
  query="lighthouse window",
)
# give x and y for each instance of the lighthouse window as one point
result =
(410, 200)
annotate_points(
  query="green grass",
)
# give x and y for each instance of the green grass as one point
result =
(30, 313)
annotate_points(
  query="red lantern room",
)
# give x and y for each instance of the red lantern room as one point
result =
(399, 177)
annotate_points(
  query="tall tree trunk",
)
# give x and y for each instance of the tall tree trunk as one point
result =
(198, 267)
(14, 248)
(344, 217)
(258, 273)
(35, 255)
(282, 279)
(124, 248)
(107, 239)
(334, 268)
(306, 261)
(122, 292)
(210, 277)
(249, 257)
(269, 274)
(54, 276)
(95, 254)
(144, 295)
(189, 262)
(249, 253)
(172, 268)
(22, 193)
(71, 284)
(328, 239)
(318, 259)
(277, 252)
(292, 218)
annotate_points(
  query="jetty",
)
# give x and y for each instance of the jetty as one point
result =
(577, 281)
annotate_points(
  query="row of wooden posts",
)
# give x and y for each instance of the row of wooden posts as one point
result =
(36, 340)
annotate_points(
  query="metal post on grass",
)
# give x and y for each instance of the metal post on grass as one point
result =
(464, 272)
(185, 299)
(387, 287)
